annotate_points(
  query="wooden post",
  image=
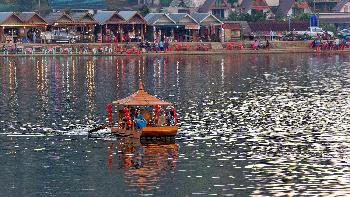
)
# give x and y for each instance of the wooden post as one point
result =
(2, 34)
(120, 33)
(142, 35)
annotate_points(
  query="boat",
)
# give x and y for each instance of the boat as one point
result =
(144, 115)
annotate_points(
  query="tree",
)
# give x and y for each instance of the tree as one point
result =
(144, 10)
(302, 17)
(255, 16)
(165, 2)
(232, 1)
(329, 27)
(258, 16)
(236, 16)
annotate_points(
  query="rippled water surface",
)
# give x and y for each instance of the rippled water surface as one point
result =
(250, 125)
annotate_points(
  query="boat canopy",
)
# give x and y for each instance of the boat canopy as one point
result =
(141, 98)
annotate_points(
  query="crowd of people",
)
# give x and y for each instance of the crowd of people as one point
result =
(156, 46)
(258, 44)
(336, 44)
(138, 119)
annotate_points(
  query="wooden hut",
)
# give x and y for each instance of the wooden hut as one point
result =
(159, 24)
(10, 26)
(134, 26)
(210, 26)
(85, 25)
(186, 27)
(232, 30)
(34, 24)
(59, 20)
(109, 26)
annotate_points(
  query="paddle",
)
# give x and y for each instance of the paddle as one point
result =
(98, 128)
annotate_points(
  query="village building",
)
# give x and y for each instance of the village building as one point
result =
(340, 15)
(275, 29)
(184, 6)
(85, 25)
(109, 27)
(161, 25)
(210, 26)
(322, 6)
(219, 8)
(292, 8)
(186, 27)
(134, 26)
(232, 30)
(341, 19)
(273, 3)
(148, 2)
(59, 20)
(34, 24)
(342, 6)
(183, 27)
(253, 6)
(11, 27)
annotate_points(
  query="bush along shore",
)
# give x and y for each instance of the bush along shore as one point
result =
(174, 48)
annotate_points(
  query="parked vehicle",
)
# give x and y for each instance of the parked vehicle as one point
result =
(58, 36)
(344, 33)
(314, 32)
(294, 37)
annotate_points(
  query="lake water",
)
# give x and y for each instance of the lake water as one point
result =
(250, 125)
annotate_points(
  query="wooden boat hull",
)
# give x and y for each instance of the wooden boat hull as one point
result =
(166, 131)
(126, 133)
(159, 131)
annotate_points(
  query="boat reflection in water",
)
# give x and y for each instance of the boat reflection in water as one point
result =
(145, 163)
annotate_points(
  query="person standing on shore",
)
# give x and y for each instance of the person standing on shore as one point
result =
(337, 42)
(148, 45)
(267, 44)
(34, 37)
(161, 46)
(166, 44)
(156, 45)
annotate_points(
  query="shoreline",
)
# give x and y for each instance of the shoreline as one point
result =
(278, 47)
(211, 52)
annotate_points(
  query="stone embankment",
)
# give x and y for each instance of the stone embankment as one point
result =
(191, 48)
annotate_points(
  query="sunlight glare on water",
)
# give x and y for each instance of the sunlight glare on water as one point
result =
(249, 125)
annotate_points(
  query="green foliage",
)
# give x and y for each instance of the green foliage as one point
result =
(279, 16)
(4, 7)
(302, 17)
(21, 5)
(255, 16)
(144, 10)
(236, 16)
(232, 1)
(165, 2)
(258, 16)
(310, 3)
(132, 2)
(329, 27)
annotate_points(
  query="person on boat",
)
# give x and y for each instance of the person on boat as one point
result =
(126, 118)
(171, 118)
(161, 118)
(174, 115)
(140, 121)
(156, 112)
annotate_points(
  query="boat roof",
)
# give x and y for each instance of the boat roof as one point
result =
(141, 98)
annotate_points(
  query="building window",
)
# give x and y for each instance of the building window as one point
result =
(346, 8)
(219, 13)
